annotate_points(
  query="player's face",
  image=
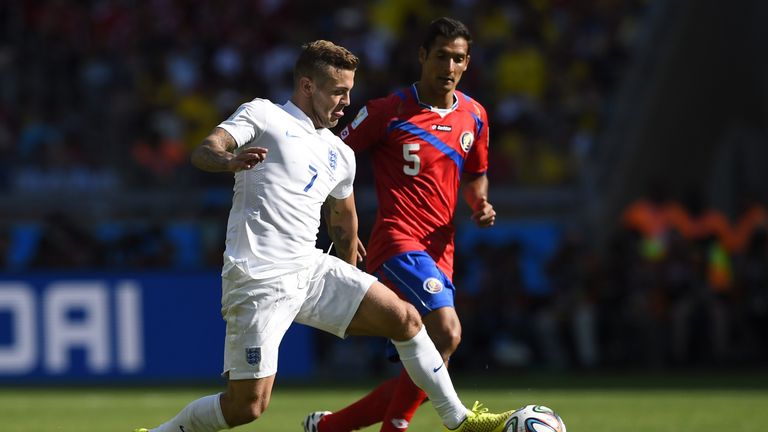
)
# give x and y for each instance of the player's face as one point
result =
(331, 96)
(444, 63)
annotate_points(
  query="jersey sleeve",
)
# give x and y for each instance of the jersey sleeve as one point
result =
(345, 186)
(248, 122)
(368, 126)
(477, 159)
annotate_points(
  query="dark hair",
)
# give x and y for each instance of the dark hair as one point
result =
(317, 56)
(448, 28)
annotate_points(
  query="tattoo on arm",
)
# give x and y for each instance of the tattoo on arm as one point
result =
(339, 230)
(215, 151)
(340, 239)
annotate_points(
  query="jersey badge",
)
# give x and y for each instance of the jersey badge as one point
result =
(433, 285)
(253, 355)
(344, 133)
(361, 115)
(442, 128)
(466, 140)
(332, 159)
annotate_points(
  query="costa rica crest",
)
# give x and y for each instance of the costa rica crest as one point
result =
(433, 285)
(466, 140)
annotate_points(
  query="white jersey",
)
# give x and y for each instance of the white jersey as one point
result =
(275, 214)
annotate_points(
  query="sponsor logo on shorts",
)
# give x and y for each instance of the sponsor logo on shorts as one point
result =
(433, 285)
(253, 355)
(466, 140)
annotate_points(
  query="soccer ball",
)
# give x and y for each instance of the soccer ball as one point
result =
(534, 418)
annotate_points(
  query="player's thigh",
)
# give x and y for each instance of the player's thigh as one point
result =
(383, 313)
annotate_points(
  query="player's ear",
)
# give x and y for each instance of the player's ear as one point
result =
(422, 55)
(306, 86)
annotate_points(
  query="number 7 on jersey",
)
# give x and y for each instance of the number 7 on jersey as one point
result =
(312, 180)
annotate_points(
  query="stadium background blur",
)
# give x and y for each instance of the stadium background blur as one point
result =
(628, 154)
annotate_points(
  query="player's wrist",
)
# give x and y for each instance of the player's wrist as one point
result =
(479, 203)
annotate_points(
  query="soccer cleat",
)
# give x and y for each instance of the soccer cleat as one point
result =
(141, 430)
(480, 420)
(312, 419)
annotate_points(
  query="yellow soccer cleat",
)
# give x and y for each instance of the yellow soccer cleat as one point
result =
(141, 430)
(480, 420)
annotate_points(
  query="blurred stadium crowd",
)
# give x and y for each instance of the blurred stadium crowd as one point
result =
(112, 94)
(109, 97)
(678, 285)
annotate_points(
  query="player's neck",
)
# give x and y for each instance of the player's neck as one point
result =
(435, 99)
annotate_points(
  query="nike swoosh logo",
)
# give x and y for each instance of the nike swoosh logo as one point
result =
(438, 368)
(182, 429)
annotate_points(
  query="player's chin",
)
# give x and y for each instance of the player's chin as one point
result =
(447, 84)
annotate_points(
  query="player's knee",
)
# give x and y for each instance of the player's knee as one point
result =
(447, 340)
(445, 330)
(254, 410)
(410, 321)
(257, 408)
(247, 410)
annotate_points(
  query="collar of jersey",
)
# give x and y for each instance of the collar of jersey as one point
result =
(303, 118)
(430, 107)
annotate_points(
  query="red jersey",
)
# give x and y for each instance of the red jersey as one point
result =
(418, 155)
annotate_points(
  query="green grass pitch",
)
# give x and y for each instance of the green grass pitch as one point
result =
(702, 402)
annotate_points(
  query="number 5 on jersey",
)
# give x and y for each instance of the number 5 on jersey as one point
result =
(412, 161)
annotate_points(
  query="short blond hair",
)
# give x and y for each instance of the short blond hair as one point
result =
(316, 57)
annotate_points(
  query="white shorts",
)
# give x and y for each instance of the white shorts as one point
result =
(324, 295)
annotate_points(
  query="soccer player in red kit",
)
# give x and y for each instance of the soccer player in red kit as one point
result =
(428, 142)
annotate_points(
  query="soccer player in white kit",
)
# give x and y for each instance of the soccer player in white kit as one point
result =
(286, 165)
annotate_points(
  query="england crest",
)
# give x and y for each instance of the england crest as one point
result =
(332, 158)
(253, 355)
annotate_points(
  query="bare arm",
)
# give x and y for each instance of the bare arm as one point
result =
(216, 154)
(475, 191)
(341, 220)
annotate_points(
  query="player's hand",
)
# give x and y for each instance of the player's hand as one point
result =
(361, 252)
(484, 215)
(247, 159)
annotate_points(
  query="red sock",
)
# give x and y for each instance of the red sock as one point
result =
(365, 412)
(406, 400)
